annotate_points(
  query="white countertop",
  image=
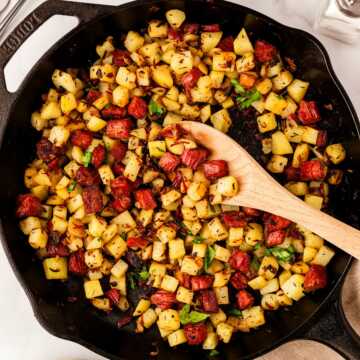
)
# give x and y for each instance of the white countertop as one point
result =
(21, 337)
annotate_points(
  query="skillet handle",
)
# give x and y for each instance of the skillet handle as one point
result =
(84, 12)
(331, 328)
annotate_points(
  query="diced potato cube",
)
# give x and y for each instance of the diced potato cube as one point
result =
(227, 186)
(277, 164)
(309, 254)
(293, 287)
(221, 278)
(257, 283)
(116, 247)
(266, 122)
(29, 224)
(118, 283)
(170, 197)
(224, 332)
(221, 120)
(176, 249)
(284, 276)
(298, 188)
(336, 153)
(217, 229)
(270, 302)
(175, 18)
(217, 318)
(141, 307)
(59, 135)
(283, 299)
(271, 287)
(199, 250)
(181, 62)
(280, 144)
(55, 268)
(169, 320)
(254, 316)
(38, 239)
(222, 253)
(323, 256)
(159, 250)
(275, 103)
(177, 338)
(133, 41)
(297, 89)
(197, 190)
(224, 61)
(106, 174)
(126, 78)
(282, 80)
(301, 155)
(314, 201)
(184, 295)
(209, 40)
(97, 226)
(169, 283)
(149, 317)
(211, 341)
(268, 267)
(242, 44)
(191, 265)
(236, 236)
(157, 148)
(162, 76)
(254, 233)
(95, 124)
(310, 135)
(93, 289)
(62, 79)
(120, 268)
(157, 29)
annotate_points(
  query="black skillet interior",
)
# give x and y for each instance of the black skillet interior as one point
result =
(80, 322)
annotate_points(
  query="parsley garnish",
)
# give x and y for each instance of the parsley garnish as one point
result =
(255, 265)
(237, 87)
(144, 274)
(187, 316)
(214, 353)
(235, 312)
(155, 108)
(257, 246)
(209, 257)
(246, 98)
(132, 282)
(71, 186)
(282, 254)
(198, 239)
(87, 158)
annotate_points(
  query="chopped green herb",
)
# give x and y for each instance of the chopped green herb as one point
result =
(123, 235)
(209, 257)
(198, 239)
(143, 274)
(247, 98)
(187, 316)
(132, 280)
(71, 186)
(257, 246)
(235, 312)
(282, 254)
(237, 87)
(107, 106)
(155, 108)
(87, 158)
(214, 353)
(255, 265)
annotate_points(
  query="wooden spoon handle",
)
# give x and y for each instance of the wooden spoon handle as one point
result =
(270, 196)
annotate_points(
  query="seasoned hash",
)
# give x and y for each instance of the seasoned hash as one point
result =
(120, 196)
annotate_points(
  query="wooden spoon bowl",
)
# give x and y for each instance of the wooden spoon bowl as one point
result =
(260, 191)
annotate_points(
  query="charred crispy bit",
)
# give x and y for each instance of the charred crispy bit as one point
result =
(93, 199)
(315, 278)
(169, 162)
(195, 333)
(56, 249)
(215, 169)
(244, 299)
(201, 282)
(226, 44)
(137, 107)
(124, 321)
(98, 156)
(292, 173)
(92, 95)
(240, 260)
(81, 138)
(163, 299)
(28, 205)
(77, 263)
(145, 199)
(119, 129)
(193, 158)
(46, 150)
(133, 260)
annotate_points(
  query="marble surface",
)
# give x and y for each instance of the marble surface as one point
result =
(20, 335)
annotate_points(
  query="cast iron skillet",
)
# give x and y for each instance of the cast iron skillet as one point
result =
(80, 322)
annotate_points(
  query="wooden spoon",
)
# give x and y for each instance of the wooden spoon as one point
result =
(260, 191)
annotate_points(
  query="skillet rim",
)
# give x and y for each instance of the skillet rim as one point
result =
(111, 10)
